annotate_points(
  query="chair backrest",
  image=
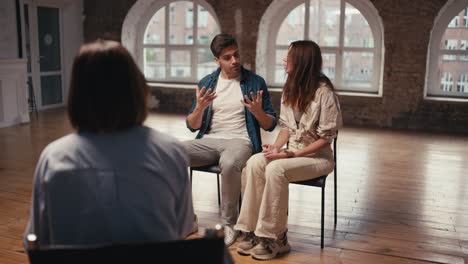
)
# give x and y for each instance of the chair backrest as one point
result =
(209, 250)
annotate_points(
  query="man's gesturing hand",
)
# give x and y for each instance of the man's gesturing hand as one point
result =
(204, 97)
(254, 105)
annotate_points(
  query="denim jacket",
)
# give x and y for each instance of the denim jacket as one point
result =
(250, 82)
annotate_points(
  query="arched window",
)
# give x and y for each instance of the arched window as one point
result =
(349, 33)
(175, 45)
(447, 70)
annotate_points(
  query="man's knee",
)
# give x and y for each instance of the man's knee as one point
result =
(187, 145)
(231, 164)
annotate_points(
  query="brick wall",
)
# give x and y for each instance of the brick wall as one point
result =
(407, 27)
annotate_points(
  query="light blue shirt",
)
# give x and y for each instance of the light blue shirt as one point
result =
(128, 186)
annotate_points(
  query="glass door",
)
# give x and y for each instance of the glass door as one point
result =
(44, 52)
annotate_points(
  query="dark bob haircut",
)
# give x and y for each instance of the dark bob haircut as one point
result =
(220, 42)
(107, 91)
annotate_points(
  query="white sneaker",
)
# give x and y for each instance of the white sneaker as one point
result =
(269, 248)
(230, 235)
(248, 242)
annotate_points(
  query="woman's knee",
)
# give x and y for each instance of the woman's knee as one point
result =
(274, 170)
(256, 161)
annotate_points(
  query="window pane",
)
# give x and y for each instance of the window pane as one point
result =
(181, 22)
(462, 84)
(329, 65)
(456, 36)
(280, 73)
(324, 23)
(292, 28)
(207, 26)
(206, 64)
(48, 19)
(155, 63)
(51, 89)
(180, 63)
(155, 31)
(465, 16)
(451, 75)
(464, 46)
(446, 81)
(357, 30)
(357, 69)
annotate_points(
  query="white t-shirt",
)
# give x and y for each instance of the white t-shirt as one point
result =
(228, 119)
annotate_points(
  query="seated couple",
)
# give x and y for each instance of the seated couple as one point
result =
(230, 106)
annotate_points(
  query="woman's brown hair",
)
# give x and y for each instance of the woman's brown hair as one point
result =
(107, 91)
(306, 75)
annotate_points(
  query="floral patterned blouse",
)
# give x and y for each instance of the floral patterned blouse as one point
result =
(322, 119)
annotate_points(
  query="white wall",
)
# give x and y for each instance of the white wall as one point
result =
(13, 99)
(8, 33)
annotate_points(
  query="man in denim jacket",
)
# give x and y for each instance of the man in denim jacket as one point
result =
(230, 106)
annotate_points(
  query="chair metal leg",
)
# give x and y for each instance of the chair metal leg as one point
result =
(240, 201)
(323, 212)
(219, 195)
(336, 198)
(335, 173)
(32, 99)
(191, 172)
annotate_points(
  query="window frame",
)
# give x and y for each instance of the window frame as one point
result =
(432, 83)
(367, 10)
(192, 48)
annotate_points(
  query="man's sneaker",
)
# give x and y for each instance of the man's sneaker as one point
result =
(249, 241)
(269, 248)
(230, 235)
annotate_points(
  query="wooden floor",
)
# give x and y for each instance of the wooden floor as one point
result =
(402, 196)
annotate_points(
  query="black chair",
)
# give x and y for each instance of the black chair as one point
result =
(320, 182)
(207, 249)
(213, 168)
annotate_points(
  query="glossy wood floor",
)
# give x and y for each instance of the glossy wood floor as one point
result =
(402, 196)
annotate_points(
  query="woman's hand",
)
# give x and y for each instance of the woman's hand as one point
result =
(272, 152)
(275, 156)
(269, 148)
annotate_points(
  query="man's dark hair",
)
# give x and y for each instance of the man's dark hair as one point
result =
(107, 90)
(220, 42)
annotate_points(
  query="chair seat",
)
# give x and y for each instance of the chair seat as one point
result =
(318, 182)
(209, 168)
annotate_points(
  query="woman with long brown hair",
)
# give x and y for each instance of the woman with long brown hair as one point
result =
(310, 118)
